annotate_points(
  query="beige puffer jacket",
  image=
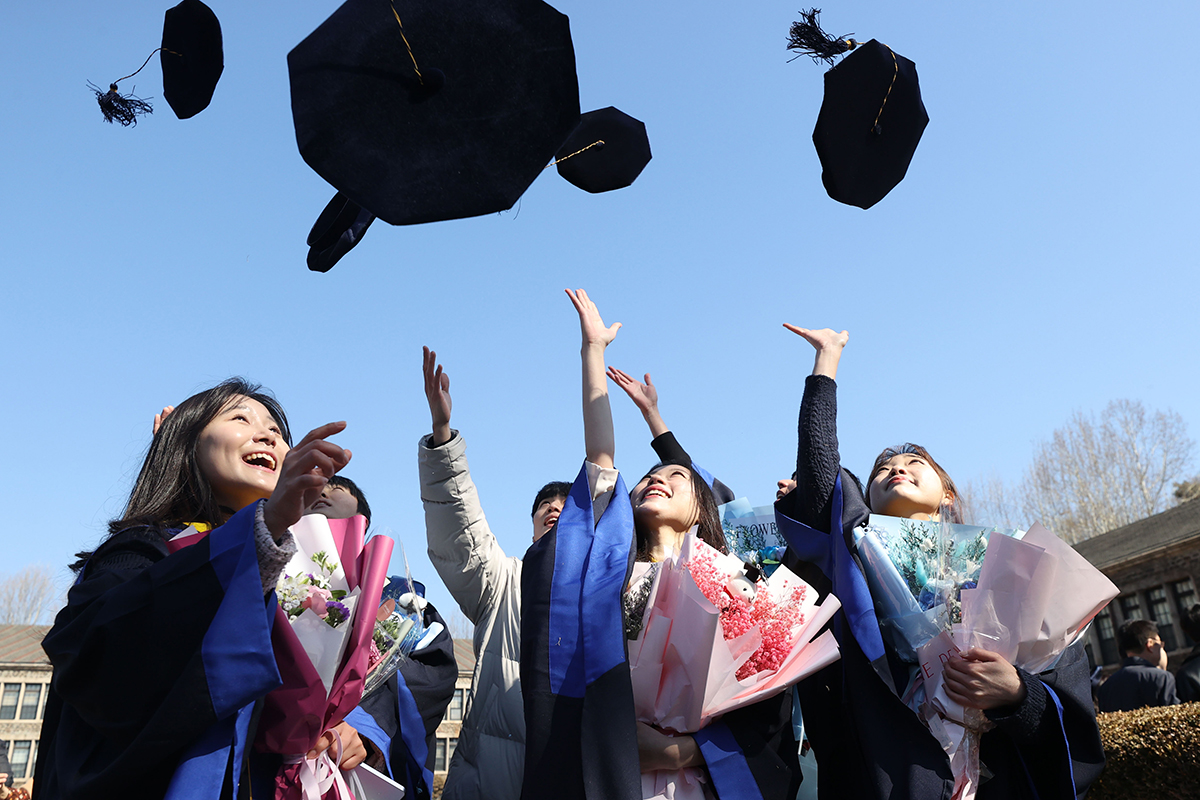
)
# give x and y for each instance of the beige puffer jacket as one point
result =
(490, 757)
(487, 586)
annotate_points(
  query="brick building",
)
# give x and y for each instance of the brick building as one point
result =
(1155, 562)
(24, 681)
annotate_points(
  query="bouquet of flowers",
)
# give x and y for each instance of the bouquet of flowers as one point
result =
(714, 639)
(942, 588)
(322, 637)
(399, 630)
(752, 533)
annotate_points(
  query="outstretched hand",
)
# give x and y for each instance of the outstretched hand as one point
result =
(643, 395)
(306, 469)
(160, 416)
(437, 392)
(590, 323)
(828, 344)
(982, 679)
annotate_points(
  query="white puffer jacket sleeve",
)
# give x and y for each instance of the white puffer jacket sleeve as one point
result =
(461, 545)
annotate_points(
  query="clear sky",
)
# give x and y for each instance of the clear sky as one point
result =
(1039, 257)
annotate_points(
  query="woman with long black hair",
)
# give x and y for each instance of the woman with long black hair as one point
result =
(162, 651)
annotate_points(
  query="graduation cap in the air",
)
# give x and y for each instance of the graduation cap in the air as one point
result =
(337, 230)
(607, 151)
(426, 110)
(871, 118)
(192, 58)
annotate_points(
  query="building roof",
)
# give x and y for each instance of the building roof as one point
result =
(1144, 537)
(22, 644)
(464, 654)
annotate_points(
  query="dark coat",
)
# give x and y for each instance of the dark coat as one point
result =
(868, 743)
(1187, 677)
(1137, 684)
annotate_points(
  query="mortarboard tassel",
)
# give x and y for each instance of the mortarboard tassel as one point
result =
(807, 39)
(124, 108)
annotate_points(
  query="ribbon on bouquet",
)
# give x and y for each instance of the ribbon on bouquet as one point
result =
(318, 775)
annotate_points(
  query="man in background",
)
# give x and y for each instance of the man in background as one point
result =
(1143, 679)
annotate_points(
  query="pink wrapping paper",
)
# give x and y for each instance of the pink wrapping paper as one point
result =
(682, 667)
(296, 714)
(1035, 596)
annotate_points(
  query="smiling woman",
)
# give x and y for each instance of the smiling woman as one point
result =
(163, 648)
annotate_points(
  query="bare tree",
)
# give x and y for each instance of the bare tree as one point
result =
(460, 627)
(990, 501)
(29, 597)
(1094, 475)
(1187, 490)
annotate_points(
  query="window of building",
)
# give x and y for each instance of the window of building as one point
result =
(31, 701)
(454, 711)
(1185, 598)
(1107, 636)
(1160, 612)
(451, 744)
(8, 701)
(439, 756)
(1131, 607)
(20, 758)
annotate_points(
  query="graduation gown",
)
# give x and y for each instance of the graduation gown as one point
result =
(158, 661)
(868, 743)
(580, 724)
(402, 715)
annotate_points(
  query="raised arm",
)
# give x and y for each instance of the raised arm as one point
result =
(644, 396)
(817, 457)
(462, 547)
(599, 440)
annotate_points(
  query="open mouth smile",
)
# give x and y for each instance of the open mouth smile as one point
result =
(264, 461)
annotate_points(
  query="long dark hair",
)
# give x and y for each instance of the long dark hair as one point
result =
(170, 490)
(708, 520)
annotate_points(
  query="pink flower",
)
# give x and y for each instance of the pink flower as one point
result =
(317, 600)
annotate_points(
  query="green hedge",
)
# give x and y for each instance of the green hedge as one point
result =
(1151, 754)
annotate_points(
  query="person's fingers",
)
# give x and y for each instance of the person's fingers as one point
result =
(445, 380)
(796, 330)
(648, 381)
(322, 432)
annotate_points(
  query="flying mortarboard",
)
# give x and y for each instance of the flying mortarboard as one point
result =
(606, 151)
(427, 110)
(337, 230)
(871, 118)
(192, 58)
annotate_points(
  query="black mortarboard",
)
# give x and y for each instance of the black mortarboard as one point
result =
(192, 61)
(871, 118)
(337, 230)
(606, 151)
(192, 57)
(429, 110)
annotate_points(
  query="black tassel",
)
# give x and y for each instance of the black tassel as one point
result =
(122, 108)
(807, 39)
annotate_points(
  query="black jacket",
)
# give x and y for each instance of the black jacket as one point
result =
(1137, 684)
(1187, 677)
(868, 743)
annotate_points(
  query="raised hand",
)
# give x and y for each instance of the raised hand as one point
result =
(160, 416)
(828, 344)
(644, 396)
(590, 323)
(306, 469)
(982, 679)
(437, 392)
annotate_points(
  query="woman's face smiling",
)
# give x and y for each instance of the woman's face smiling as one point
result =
(665, 496)
(240, 452)
(907, 486)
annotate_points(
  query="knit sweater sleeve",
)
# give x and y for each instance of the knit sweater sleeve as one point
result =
(817, 458)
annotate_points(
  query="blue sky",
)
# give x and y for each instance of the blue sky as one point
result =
(1036, 260)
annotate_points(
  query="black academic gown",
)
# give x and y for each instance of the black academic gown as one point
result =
(867, 742)
(402, 715)
(580, 728)
(158, 661)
